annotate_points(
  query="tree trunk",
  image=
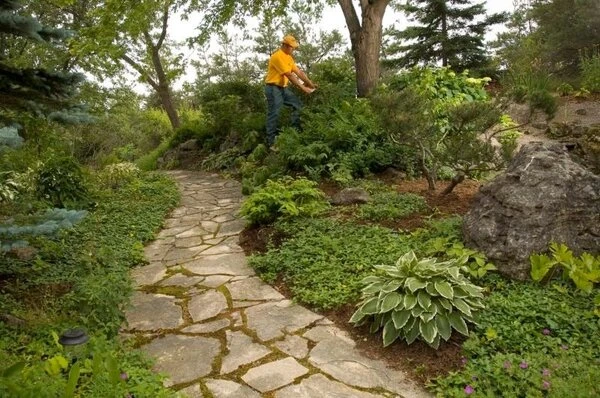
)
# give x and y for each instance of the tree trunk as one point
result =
(163, 89)
(457, 179)
(365, 37)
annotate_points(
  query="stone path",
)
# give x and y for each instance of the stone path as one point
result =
(216, 330)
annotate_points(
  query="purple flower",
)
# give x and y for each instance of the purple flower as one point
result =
(564, 347)
(124, 376)
(546, 385)
(523, 365)
(545, 372)
(507, 365)
(469, 390)
(463, 360)
(546, 332)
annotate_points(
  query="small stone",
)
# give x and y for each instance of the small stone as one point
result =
(273, 375)
(208, 327)
(230, 389)
(207, 305)
(295, 346)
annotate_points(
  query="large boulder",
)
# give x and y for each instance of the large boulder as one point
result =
(543, 196)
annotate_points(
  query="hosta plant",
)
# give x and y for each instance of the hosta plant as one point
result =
(418, 299)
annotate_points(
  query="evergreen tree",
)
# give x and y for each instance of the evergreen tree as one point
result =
(39, 91)
(448, 31)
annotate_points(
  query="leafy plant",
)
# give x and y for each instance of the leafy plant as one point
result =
(590, 70)
(61, 182)
(471, 262)
(564, 89)
(9, 188)
(584, 270)
(418, 299)
(284, 198)
(391, 206)
(118, 174)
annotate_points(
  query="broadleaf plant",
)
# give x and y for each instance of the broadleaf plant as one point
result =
(418, 299)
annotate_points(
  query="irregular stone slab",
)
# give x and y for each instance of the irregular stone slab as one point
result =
(238, 320)
(186, 243)
(213, 281)
(183, 358)
(165, 233)
(208, 327)
(241, 351)
(192, 391)
(295, 346)
(223, 218)
(244, 304)
(273, 375)
(213, 241)
(149, 274)
(253, 289)
(224, 264)
(320, 333)
(207, 305)
(232, 228)
(155, 251)
(182, 280)
(219, 249)
(229, 389)
(210, 226)
(343, 362)
(142, 313)
(320, 386)
(271, 320)
(192, 232)
(181, 255)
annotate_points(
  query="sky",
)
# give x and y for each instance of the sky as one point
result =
(332, 19)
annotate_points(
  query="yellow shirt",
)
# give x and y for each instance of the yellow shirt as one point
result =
(279, 64)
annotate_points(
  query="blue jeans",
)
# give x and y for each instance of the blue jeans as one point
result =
(276, 98)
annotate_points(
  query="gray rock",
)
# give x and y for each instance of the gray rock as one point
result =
(208, 327)
(271, 320)
(253, 289)
(295, 346)
(183, 358)
(225, 264)
(207, 305)
(320, 386)
(229, 389)
(343, 362)
(182, 280)
(350, 196)
(143, 309)
(544, 196)
(215, 280)
(192, 391)
(242, 350)
(273, 375)
(149, 274)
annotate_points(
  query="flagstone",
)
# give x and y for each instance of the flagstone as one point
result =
(242, 350)
(274, 375)
(207, 305)
(141, 314)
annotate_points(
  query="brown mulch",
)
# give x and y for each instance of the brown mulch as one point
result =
(420, 360)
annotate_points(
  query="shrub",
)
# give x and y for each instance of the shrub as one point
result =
(116, 175)
(590, 70)
(284, 198)
(391, 206)
(61, 182)
(418, 299)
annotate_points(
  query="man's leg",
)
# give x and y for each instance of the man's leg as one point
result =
(274, 96)
(290, 99)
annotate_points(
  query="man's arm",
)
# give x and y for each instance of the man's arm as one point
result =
(307, 87)
(300, 73)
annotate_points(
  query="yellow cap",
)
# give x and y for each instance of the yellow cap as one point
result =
(290, 41)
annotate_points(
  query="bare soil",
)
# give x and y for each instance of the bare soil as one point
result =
(418, 359)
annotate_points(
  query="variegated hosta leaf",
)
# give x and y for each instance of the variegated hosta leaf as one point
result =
(409, 301)
(444, 289)
(357, 317)
(392, 286)
(423, 299)
(400, 318)
(373, 288)
(428, 331)
(416, 311)
(390, 333)
(413, 333)
(414, 284)
(369, 307)
(462, 306)
(371, 279)
(427, 316)
(431, 289)
(458, 323)
(390, 301)
(445, 303)
(443, 326)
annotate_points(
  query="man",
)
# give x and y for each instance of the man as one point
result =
(282, 70)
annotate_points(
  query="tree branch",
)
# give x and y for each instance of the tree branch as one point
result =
(139, 69)
(165, 20)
